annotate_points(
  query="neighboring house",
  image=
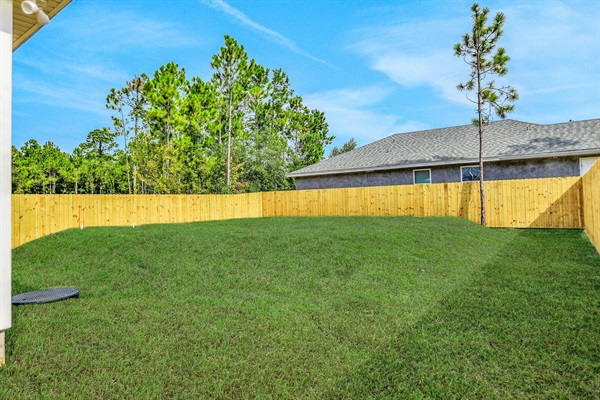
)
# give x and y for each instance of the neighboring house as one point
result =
(512, 150)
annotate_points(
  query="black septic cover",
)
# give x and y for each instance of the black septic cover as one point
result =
(45, 296)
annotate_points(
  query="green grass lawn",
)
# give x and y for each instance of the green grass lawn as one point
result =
(346, 308)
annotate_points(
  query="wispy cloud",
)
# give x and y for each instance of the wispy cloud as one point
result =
(51, 77)
(121, 31)
(355, 113)
(102, 71)
(270, 34)
(416, 54)
(555, 58)
(558, 89)
(554, 49)
(39, 91)
(98, 72)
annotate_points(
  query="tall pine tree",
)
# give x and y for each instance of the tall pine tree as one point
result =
(477, 50)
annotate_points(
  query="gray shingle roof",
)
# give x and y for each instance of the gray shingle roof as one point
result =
(503, 140)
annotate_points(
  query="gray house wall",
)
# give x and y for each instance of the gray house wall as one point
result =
(517, 169)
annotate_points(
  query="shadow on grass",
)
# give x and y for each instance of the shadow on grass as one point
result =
(526, 326)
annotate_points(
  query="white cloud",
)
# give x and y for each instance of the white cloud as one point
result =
(354, 113)
(554, 49)
(51, 75)
(270, 34)
(555, 59)
(434, 70)
(106, 72)
(415, 54)
(40, 91)
(120, 31)
(98, 72)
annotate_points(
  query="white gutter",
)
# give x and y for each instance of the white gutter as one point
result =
(6, 33)
(442, 163)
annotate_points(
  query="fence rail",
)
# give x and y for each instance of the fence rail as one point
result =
(541, 203)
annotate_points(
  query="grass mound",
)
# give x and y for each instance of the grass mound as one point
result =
(308, 308)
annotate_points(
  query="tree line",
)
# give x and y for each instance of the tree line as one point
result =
(240, 131)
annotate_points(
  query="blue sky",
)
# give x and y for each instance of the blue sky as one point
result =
(374, 67)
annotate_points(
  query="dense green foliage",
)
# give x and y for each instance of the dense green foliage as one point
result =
(346, 307)
(240, 131)
(348, 146)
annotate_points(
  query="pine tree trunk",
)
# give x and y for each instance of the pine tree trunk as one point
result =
(134, 180)
(481, 192)
(229, 139)
(127, 166)
(480, 129)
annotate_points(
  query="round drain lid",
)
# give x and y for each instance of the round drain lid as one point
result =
(45, 296)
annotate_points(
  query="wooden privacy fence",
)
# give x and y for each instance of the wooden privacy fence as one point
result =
(34, 216)
(591, 204)
(543, 203)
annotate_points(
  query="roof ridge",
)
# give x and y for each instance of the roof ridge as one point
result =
(458, 126)
(571, 121)
(508, 139)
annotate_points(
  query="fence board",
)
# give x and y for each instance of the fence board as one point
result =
(35, 216)
(591, 203)
(544, 203)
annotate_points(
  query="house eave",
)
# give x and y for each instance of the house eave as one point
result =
(25, 26)
(441, 163)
